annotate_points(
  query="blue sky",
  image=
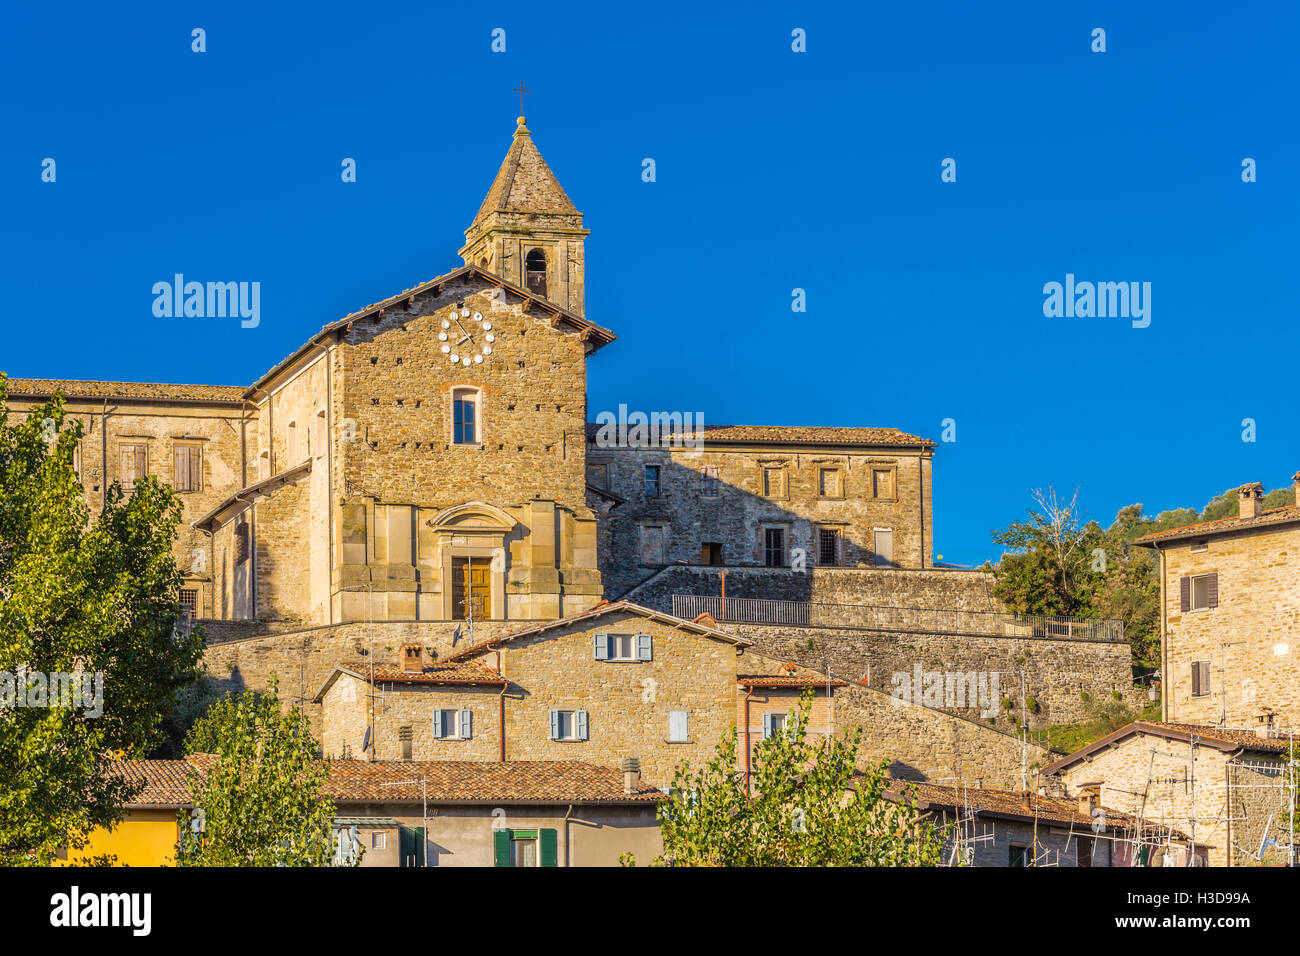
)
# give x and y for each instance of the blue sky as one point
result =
(776, 170)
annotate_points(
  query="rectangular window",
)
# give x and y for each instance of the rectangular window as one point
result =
(1200, 678)
(449, 724)
(773, 723)
(379, 840)
(189, 603)
(828, 546)
(598, 476)
(652, 544)
(652, 480)
(709, 483)
(678, 727)
(884, 547)
(774, 547)
(882, 482)
(622, 647)
(189, 468)
(524, 848)
(133, 464)
(711, 553)
(1019, 855)
(568, 725)
(828, 482)
(773, 482)
(1199, 592)
(464, 427)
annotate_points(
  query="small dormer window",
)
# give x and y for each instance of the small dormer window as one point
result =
(535, 272)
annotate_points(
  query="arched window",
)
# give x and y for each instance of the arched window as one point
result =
(535, 272)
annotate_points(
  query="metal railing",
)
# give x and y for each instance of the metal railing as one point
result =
(742, 610)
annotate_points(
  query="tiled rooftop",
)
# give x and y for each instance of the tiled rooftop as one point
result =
(141, 391)
(797, 435)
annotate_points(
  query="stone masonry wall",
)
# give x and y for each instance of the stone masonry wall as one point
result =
(736, 516)
(1251, 639)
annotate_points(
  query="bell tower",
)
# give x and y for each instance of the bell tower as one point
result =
(528, 231)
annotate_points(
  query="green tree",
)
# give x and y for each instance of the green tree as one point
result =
(809, 807)
(76, 596)
(262, 796)
(1051, 568)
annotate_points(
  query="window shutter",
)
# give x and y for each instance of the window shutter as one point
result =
(1185, 593)
(1214, 589)
(643, 647)
(602, 647)
(182, 469)
(501, 846)
(555, 725)
(677, 725)
(1196, 678)
(466, 724)
(196, 469)
(547, 848)
(582, 725)
(437, 723)
(767, 726)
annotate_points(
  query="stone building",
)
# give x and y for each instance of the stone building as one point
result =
(429, 458)
(1230, 604)
(1227, 790)
(1009, 828)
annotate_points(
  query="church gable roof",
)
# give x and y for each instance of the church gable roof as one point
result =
(524, 183)
(596, 334)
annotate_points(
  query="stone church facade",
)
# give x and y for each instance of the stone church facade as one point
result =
(431, 457)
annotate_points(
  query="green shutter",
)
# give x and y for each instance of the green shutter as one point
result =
(601, 647)
(582, 725)
(643, 647)
(466, 724)
(547, 847)
(501, 847)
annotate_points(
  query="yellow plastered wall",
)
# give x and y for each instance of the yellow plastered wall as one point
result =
(144, 838)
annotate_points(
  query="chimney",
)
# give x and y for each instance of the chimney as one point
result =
(409, 657)
(1252, 500)
(1295, 486)
(1087, 801)
(631, 775)
(1025, 802)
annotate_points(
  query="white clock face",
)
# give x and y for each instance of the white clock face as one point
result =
(467, 337)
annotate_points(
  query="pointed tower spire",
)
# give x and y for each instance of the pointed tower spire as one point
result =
(527, 230)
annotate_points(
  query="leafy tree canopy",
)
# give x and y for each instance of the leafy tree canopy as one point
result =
(262, 799)
(78, 597)
(808, 806)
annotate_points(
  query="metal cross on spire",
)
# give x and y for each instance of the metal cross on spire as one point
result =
(521, 91)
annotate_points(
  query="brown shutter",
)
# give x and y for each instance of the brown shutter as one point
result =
(182, 468)
(196, 469)
(1214, 589)
(125, 471)
(1196, 678)
(1185, 591)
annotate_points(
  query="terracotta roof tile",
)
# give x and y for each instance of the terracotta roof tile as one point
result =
(166, 782)
(798, 435)
(440, 672)
(532, 781)
(1272, 516)
(136, 391)
(1018, 804)
(604, 607)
